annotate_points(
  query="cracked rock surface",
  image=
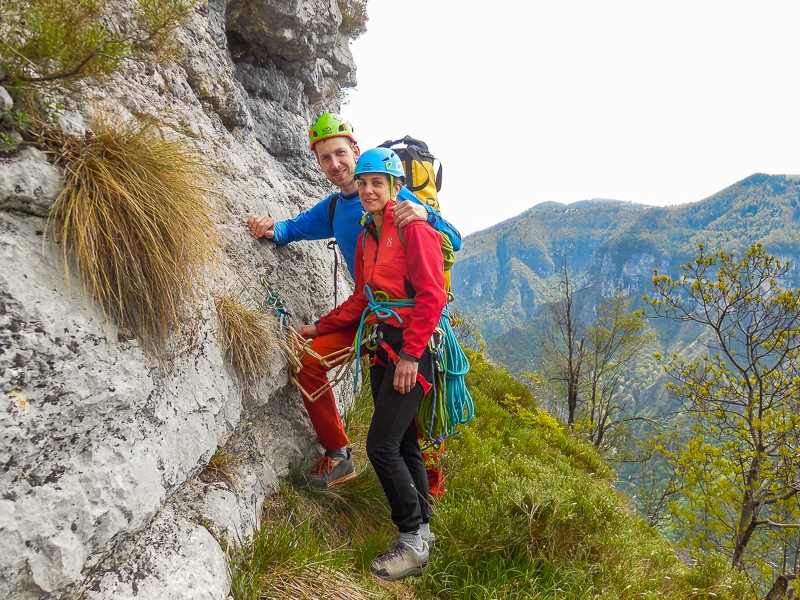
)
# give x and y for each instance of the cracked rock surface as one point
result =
(102, 445)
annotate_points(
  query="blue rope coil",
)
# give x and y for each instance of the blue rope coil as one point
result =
(449, 404)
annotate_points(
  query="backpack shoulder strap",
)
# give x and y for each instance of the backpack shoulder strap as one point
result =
(332, 208)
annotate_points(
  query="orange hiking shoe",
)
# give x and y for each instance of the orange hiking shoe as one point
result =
(328, 471)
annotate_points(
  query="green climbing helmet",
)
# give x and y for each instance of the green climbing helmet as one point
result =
(380, 160)
(327, 126)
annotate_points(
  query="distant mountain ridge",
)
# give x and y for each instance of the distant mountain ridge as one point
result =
(505, 274)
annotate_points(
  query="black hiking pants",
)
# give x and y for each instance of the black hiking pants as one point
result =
(392, 444)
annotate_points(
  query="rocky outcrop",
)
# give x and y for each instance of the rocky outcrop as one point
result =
(101, 444)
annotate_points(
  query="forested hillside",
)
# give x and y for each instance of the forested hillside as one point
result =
(507, 274)
(668, 338)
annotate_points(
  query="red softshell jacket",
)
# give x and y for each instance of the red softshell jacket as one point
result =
(414, 269)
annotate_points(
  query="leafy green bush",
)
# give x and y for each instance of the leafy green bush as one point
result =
(354, 17)
(13, 121)
(47, 40)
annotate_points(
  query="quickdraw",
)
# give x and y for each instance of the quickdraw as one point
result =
(297, 347)
(278, 305)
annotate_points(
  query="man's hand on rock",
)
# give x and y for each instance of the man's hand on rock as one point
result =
(261, 227)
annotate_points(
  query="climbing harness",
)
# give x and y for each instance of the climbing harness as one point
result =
(382, 307)
(447, 402)
(296, 347)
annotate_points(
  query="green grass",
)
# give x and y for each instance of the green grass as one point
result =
(529, 513)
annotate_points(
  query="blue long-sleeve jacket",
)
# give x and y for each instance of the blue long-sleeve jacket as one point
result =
(314, 224)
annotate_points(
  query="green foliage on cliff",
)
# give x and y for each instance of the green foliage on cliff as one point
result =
(48, 40)
(529, 513)
(354, 17)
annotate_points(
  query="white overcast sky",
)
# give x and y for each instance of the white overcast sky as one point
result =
(531, 101)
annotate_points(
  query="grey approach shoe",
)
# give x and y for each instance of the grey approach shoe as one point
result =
(329, 471)
(400, 562)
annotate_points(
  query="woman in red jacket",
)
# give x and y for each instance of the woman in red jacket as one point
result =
(407, 267)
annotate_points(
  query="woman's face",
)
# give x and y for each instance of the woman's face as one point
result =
(374, 191)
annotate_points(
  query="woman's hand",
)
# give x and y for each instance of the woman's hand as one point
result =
(405, 376)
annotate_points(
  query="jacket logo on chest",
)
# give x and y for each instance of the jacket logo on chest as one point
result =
(389, 241)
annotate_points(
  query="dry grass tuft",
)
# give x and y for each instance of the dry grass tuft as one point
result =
(248, 336)
(221, 467)
(313, 581)
(134, 213)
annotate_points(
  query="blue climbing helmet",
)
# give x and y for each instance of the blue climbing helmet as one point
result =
(380, 160)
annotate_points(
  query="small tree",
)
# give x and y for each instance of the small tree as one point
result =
(466, 331)
(613, 342)
(740, 464)
(48, 40)
(354, 17)
(564, 344)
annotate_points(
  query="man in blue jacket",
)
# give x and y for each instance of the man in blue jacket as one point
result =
(338, 215)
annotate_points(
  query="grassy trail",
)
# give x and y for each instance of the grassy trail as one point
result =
(529, 513)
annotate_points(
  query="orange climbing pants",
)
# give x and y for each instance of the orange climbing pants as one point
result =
(324, 413)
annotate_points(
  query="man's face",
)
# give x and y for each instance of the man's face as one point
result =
(337, 158)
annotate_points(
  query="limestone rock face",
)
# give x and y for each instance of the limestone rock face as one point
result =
(29, 183)
(301, 36)
(6, 103)
(102, 444)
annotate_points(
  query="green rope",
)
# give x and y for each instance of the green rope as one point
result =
(448, 404)
(382, 307)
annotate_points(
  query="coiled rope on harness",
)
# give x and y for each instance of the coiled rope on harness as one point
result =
(382, 307)
(297, 347)
(448, 403)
